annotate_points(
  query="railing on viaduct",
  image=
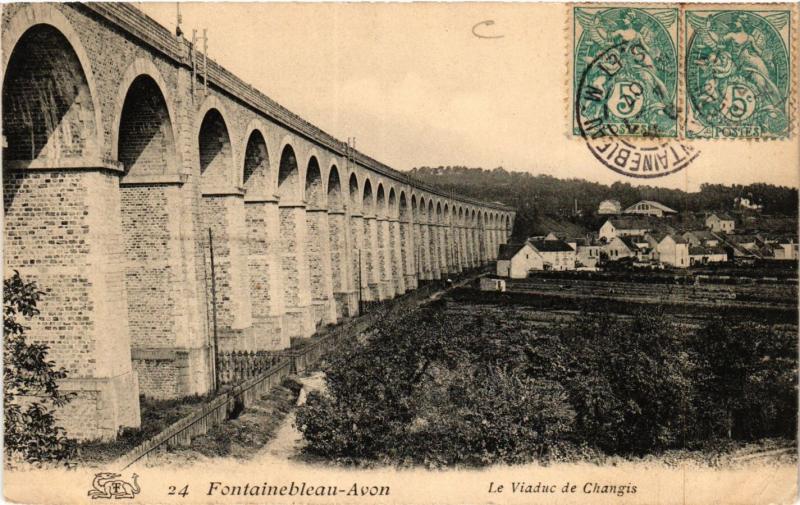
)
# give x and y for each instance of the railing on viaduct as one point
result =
(171, 212)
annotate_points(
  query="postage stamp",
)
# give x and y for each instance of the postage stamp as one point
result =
(625, 70)
(738, 72)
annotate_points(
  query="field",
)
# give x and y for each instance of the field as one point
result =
(567, 370)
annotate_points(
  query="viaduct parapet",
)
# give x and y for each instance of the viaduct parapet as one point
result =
(126, 160)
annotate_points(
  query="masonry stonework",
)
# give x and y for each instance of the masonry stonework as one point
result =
(116, 165)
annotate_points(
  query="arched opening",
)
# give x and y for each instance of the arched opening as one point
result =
(48, 111)
(146, 145)
(380, 202)
(288, 176)
(354, 194)
(255, 176)
(335, 199)
(216, 154)
(368, 202)
(314, 193)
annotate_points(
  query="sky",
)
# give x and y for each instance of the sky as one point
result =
(415, 86)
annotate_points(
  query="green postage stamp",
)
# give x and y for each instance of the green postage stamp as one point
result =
(625, 71)
(683, 71)
(738, 72)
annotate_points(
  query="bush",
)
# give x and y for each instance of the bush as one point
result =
(746, 380)
(30, 390)
(448, 385)
(628, 381)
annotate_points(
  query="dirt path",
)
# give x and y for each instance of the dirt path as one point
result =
(287, 442)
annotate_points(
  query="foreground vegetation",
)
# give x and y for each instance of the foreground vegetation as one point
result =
(452, 384)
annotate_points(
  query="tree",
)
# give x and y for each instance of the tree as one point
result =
(30, 392)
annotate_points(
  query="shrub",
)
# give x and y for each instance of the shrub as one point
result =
(30, 389)
(746, 380)
(449, 385)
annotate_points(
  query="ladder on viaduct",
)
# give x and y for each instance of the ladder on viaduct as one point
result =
(127, 156)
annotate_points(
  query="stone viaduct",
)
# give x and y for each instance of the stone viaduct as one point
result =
(126, 160)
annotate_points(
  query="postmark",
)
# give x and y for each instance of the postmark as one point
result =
(625, 90)
(651, 156)
(738, 72)
(625, 69)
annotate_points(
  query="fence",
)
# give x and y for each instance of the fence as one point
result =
(210, 414)
(238, 366)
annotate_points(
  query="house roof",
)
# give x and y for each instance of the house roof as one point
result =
(508, 251)
(611, 202)
(743, 238)
(630, 242)
(652, 203)
(551, 245)
(723, 216)
(583, 242)
(703, 234)
(678, 239)
(700, 250)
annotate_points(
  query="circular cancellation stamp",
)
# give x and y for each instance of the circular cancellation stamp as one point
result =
(626, 89)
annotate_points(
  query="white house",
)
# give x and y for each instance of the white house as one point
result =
(587, 252)
(515, 260)
(701, 255)
(720, 222)
(674, 251)
(623, 227)
(616, 249)
(609, 207)
(555, 254)
(629, 247)
(745, 203)
(649, 208)
(784, 249)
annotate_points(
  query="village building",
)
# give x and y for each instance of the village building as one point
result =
(587, 252)
(702, 255)
(705, 238)
(720, 222)
(673, 250)
(555, 254)
(747, 241)
(492, 284)
(609, 207)
(745, 203)
(783, 249)
(636, 247)
(623, 227)
(515, 260)
(649, 208)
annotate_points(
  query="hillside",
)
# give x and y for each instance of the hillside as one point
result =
(542, 200)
